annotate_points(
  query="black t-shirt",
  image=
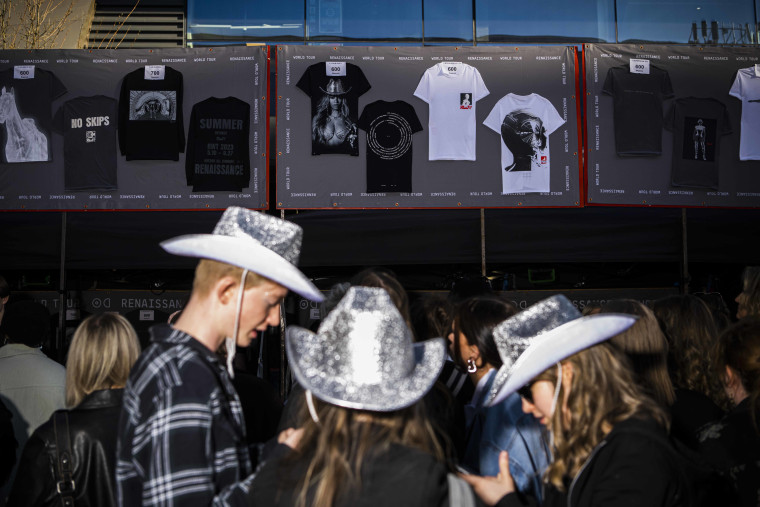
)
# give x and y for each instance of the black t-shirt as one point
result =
(218, 157)
(334, 88)
(637, 106)
(150, 116)
(697, 124)
(88, 125)
(389, 127)
(25, 114)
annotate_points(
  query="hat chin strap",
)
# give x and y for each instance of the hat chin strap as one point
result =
(555, 399)
(312, 409)
(231, 343)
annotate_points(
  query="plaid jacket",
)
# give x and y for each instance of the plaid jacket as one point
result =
(181, 430)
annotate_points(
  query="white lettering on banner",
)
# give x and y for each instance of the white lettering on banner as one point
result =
(152, 304)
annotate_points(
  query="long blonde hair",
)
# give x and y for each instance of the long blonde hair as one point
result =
(104, 348)
(602, 393)
(338, 445)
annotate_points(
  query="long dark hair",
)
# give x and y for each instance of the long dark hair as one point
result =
(692, 336)
(475, 318)
(739, 348)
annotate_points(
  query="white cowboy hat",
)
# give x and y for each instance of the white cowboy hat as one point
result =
(254, 241)
(362, 357)
(544, 334)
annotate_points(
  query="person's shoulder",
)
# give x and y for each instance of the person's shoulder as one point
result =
(166, 365)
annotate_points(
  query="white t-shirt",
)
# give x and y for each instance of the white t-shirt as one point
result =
(451, 90)
(535, 118)
(746, 88)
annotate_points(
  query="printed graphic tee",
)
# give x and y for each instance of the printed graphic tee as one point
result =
(88, 125)
(217, 155)
(451, 90)
(334, 88)
(525, 123)
(150, 116)
(697, 124)
(746, 88)
(26, 99)
(637, 109)
(389, 127)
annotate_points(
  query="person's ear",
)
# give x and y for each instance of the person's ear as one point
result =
(730, 377)
(224, 289)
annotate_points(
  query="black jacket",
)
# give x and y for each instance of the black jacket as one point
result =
(629, 468)
(92, 426)
(397, 478)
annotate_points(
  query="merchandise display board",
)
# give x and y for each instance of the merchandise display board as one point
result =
(672, 125)
(133, 128)
(427, 127)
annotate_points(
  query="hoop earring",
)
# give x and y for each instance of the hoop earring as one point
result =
(471, 368)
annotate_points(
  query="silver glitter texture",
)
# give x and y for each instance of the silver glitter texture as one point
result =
(362, 357)
(515, 334)
(280, 236)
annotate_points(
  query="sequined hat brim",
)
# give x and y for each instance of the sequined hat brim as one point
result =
(553, 346)
(429, 357)
(246, 253)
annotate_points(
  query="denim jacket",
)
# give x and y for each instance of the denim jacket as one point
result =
(505, 427)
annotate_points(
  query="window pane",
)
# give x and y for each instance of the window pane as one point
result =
(364, 19)
(716, 21)
(549, 21)
(448, 20)
(243, 20)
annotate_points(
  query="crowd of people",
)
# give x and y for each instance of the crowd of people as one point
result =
(456, 400)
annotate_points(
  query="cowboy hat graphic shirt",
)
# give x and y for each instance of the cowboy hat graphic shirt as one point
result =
(451, 90)
(334, 88)
(150, 114)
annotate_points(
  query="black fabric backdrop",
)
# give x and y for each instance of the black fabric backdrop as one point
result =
(129, 240)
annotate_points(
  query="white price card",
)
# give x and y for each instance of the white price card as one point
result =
(335, 68)
(639, 66)
(23, 72)
(155, 72)
(451, 68)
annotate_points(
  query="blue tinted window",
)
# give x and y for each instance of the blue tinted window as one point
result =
(448, 20)
(545, 21)
(686, 21)
(242, 20)
(364, 19)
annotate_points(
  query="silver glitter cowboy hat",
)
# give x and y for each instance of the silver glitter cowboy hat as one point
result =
(544, 334)
(335, 88)
(254, 241)
(362, 357)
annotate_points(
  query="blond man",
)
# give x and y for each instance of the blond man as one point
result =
(181, 430)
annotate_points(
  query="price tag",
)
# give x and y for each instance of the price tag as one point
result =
(639, 66)
(155, 72)
(757, 70)
(23, 72)
(451, 68)
(335, 68)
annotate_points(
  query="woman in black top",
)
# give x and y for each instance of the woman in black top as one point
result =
(101, 354)
(367, 441)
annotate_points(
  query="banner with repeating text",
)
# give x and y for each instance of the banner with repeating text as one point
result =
(426, 127)
(133, 128)
(672, 125)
